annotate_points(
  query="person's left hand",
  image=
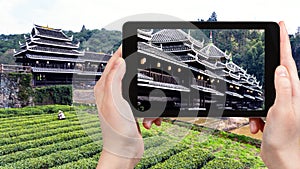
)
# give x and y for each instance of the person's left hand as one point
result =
(122, 140)
(120, 132)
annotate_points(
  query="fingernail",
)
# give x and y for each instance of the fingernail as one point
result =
(281, 71)
(252, 126)
(149, 123)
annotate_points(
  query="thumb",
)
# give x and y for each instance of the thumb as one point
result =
(283, 88)
(117, 80)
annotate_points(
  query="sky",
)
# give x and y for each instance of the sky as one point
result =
(18, 16)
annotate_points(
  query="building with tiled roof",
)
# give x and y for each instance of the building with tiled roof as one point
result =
(54, 59)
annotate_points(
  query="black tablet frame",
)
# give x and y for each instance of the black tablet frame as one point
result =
(272, 60)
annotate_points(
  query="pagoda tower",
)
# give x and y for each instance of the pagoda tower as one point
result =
(54, 59)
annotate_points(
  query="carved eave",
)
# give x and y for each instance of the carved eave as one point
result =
(228, 56)
(148, 33)
(19, 53)
(32, 38)
(36, 31)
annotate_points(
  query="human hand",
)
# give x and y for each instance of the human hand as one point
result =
(122, 141)
(281, 133)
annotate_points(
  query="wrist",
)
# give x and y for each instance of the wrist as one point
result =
(112, 161)
(280, 159)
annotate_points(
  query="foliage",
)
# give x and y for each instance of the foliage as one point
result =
(7, 43)
(224, 163)
(61, 94)
(213, 17)
(42, 141)
(96, 40)
(154, 141)
(55, 108)
(223, 134)
(13, 112)
(158, 154)
(247, 47)
(193, 158)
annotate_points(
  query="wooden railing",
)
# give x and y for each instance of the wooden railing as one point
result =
(4, 68)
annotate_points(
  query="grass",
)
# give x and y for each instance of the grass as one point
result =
(31, 140)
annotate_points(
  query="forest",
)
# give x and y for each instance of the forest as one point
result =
(247, 47)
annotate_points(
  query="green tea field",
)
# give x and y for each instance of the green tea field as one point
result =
(33, 138)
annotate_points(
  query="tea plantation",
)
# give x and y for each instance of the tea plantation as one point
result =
(34, 138)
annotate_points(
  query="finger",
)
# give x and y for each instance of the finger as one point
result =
(147, 122)
(287, 60)
(283, 101)
(117, 79)
(99, 87)
(108, 67)
(158, 121)
(256, 124)
(113, 81)
(113, 90)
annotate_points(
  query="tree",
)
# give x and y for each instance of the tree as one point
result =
(83, 29)
(213, 17)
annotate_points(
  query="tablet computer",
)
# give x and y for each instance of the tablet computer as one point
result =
(200, 69)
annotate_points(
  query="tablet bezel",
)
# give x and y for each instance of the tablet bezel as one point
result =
(272, 60)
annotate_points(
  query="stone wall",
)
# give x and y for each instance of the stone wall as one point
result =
(15, 90)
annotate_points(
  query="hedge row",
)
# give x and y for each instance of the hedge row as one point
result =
(34, 121)
(156, 155)
(47, 149)
(86, 163)
(39, 127)
(39, 121)
(11, 148)
(43, 134)
(28, 122)
(193, 158)
(224, 163)
(60, 94)
(58, 158)
(223, 134)
(154, 141)
(13, 112)
(18, 119)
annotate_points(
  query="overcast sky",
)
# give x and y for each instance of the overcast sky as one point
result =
(18, 16)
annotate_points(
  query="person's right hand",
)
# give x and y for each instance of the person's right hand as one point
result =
(281, 134)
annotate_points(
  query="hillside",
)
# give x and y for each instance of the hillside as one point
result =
(32, 137)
